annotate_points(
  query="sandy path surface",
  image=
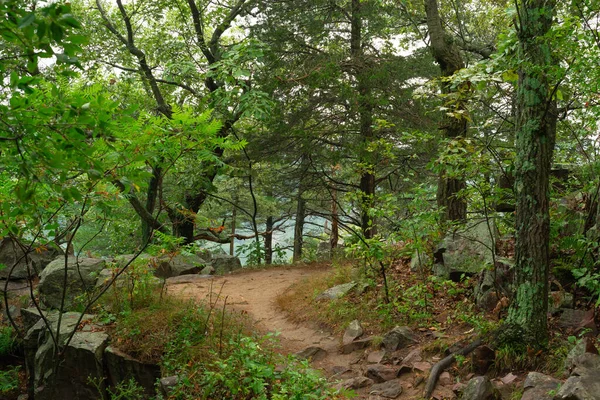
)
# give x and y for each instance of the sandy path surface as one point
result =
(255, 292)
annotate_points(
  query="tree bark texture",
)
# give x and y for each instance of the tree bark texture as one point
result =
(299, 227)
(535, 138)
(447, 54)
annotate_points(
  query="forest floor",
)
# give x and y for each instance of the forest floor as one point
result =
(255, 293)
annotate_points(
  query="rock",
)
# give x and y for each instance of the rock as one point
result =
(312, 353)
(480, 388)
(381, 373)
(537, 386)
(225, 264)
(336, 292)
(29, 316)
(445, 379)
(11, 252)
(355, 383)
(482, 359)
(420, 261)
(170, 266)
(356, 345)
(82, 274)
(13, 311)
(390, 389)
(577, 320)
(208, 270)
(584, 364)
(466, 251)
(81, 364)
(493, 284)
(121, 367)
(558, 300)
(353, 332)
(167, 384)
(375, 357)
(586, 387)
(398, 338)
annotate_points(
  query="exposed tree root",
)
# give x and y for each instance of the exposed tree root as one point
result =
(445, 363)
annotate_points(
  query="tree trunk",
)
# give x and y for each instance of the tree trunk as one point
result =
(151, 196)
(365, 111)
(335, 233)
(448, 56)
(269, 241)
(299, 227)
(535, 136)
(233, 222)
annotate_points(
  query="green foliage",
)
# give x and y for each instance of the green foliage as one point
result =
(251, 371)
(8, 341)
(9, 379)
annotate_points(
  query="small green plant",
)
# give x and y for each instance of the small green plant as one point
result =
(8, 341)
(9, 379)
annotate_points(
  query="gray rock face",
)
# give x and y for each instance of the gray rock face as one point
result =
(585, 387)
(398, 338)
(494, 283)
(577, 320)
(381, 373)
(167, 267)
(224, 263)
(336, 292)
(466, 251)
(420, 261)
(82, 274)
(389, 389)
(82, 359)
(208, 270)
(356, 345)
(538, 386)
(122, 367)
(353, 332)
(480, 388)
(355, 383)
(312, 353)
(10, 253)
(167, 384)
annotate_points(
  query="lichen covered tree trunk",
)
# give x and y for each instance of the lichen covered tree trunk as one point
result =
(535, 138)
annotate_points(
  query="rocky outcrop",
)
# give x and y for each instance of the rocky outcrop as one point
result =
(82, 274)
(170, 266)
(12, 255)
(480, 388)
(121, 368)
(398, 338)
(466, 251)
(538, 386)
(225, 264)
(336, 292)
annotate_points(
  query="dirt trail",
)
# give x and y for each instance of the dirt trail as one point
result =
(255, 292)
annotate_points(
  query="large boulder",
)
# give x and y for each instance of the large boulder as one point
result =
(538, 386)
(480, 388)
(466, 251)
(336, 292)
(82, 357)
(398, 338)
(493, 284)
(82, 274)
(170, 266)
(122, 367)
(11, 253)
(225, 264)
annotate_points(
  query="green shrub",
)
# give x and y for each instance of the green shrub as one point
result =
(8, 341)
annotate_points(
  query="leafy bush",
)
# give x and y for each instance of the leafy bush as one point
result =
(251, 372)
